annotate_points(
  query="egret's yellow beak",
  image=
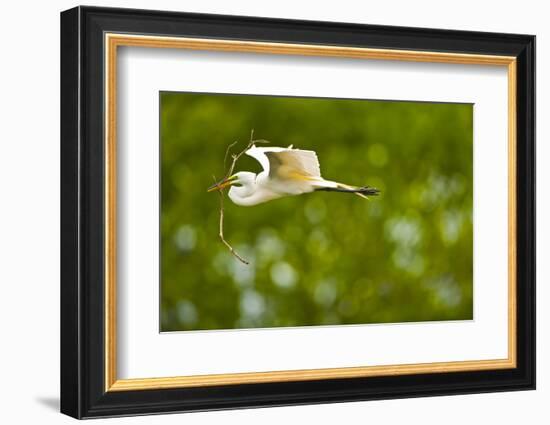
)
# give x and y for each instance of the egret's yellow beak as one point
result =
(222, 184)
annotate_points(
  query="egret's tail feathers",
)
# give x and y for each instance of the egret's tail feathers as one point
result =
(363, 192)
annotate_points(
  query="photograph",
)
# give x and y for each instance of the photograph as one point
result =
(283, 211)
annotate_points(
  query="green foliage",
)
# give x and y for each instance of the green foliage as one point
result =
(319, 258)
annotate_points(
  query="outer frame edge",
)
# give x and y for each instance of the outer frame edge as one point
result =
(103, 406)
(70, 348)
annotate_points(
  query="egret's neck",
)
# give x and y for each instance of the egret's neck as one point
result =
(251, 194)
(241, 195)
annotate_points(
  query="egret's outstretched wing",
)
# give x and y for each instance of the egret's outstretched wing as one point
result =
(286, 163)
(293, 164)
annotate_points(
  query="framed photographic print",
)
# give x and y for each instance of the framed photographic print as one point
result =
(261, 212)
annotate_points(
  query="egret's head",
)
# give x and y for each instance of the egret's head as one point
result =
(242, 178)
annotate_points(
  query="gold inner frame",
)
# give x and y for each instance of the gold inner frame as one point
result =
(113, 41)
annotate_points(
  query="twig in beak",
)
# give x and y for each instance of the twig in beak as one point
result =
(235, 158)
(227, 244)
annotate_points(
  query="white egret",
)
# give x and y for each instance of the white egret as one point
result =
(286, 172)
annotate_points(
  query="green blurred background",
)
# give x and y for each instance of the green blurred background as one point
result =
(321, 258)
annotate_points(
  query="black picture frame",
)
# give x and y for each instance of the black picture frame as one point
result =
(83, 392)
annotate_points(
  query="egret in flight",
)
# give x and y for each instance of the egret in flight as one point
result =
(286, 172)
